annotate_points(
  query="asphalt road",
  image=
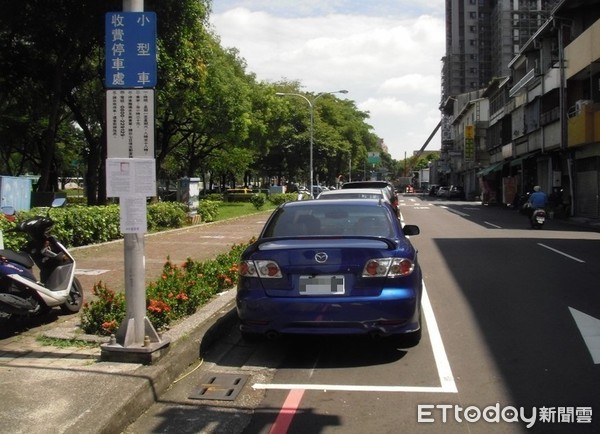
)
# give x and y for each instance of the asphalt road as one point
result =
(501, 335)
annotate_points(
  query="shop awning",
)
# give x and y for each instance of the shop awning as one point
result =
(491, 168)
(519, 160)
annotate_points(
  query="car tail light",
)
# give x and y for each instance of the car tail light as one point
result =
(247, 269)
(264, 269)
(401, 267)
(390, 267)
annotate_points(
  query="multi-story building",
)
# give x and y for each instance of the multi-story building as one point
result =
(543, 122)
(482, 36)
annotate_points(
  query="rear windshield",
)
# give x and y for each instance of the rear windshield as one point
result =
(331, 220)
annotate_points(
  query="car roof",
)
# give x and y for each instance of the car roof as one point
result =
(367, 184)
(353, 191)
(338, 202)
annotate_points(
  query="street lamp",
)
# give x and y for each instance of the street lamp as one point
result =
(311, 105)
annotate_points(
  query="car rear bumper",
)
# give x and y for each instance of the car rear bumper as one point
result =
(394, 311)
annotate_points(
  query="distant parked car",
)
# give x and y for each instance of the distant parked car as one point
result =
(334, 267)
(386, 186)
(442, 191)
(433, 189)
(318, 189)
(355, 193)
(456, 192)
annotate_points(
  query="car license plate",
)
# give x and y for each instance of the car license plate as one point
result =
(322, 285)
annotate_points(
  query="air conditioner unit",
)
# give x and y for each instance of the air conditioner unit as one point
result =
(579, 105)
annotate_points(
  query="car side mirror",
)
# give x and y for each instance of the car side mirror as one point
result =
(411, 230)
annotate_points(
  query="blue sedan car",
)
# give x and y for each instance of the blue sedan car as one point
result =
(339, 266)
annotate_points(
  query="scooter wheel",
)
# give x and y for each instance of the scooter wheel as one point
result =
(75, 299)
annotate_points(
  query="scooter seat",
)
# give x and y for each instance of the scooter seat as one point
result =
(20, 258)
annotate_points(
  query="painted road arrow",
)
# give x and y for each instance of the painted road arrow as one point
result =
(589, 327)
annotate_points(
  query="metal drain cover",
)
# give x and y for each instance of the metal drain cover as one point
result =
(223, 387)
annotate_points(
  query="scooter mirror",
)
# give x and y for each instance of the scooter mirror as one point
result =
(8, 210)
(58, 202)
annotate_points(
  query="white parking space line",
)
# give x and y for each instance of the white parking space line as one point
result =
(89, 272)
(447, 384)
(453, 211)
(493, 225)
(561, 253)
(439, 352)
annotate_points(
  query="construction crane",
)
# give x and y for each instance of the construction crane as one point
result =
(410, 164)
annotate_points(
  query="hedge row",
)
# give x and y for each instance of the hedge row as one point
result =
(79, 225)
(82, 225)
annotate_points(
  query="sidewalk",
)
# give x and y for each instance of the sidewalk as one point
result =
(47, 389)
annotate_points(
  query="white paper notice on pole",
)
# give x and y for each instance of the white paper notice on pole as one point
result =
(133, 215)
(130, 177)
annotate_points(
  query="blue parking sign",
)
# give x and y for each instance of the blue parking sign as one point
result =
(130, 50)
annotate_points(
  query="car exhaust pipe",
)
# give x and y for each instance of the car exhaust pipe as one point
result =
(272, 335)
(376, 335)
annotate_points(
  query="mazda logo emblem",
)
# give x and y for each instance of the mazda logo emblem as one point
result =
(321, 257)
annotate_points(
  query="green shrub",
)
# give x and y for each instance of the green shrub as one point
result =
(104, 315)
(208, 210)
(177, 293)
(166, 215)
(12, 240)
(77, 200)
(83, 225)
(258, 200)
(215, 197)
(279, 198)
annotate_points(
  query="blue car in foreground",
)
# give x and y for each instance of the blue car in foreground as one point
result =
(339, 266)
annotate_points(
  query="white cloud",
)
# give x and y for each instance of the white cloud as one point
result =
(388, 60)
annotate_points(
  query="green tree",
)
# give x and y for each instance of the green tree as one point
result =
(44, 51)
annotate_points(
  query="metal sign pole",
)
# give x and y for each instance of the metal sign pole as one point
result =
(136, 339)
(134, 263)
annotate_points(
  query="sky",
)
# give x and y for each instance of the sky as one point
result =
(386, 53)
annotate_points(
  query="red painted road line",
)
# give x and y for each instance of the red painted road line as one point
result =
(287, 412)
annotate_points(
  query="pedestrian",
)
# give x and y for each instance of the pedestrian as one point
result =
(538, 199)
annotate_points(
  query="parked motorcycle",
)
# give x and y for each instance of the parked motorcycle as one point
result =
(24, 295)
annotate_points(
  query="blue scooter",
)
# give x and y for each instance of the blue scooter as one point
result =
(22, 294)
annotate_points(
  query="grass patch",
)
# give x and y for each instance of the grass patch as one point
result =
(65, 343)
(229, 210)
